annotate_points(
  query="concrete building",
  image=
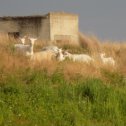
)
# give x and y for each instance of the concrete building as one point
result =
(52, 26)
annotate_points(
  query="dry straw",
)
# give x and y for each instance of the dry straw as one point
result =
(11, 61)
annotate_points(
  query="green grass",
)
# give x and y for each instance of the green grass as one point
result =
(34, 98)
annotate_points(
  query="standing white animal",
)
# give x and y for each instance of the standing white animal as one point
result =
(30, 51)
(60, 56)
(32, 39)
(23, 40)
(107, 60)
(79, 57)
(22, 47)
(40, 56)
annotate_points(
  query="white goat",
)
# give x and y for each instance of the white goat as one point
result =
(60, 56)
(23, 40)
(79, 57)
(32, 39)
(39, 56)
(54, 49)
(43, 55)
(29, 52)
(107, 60)
(22, 47)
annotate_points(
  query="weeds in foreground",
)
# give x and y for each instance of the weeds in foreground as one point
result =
(40, 99)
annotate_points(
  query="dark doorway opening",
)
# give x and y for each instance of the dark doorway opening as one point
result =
(14, 34)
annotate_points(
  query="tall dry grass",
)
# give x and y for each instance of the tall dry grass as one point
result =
(11, 61)
(55, 93)
(118, 51)
(91, 43)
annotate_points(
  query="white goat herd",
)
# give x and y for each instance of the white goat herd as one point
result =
(53, 52)
(25, 49)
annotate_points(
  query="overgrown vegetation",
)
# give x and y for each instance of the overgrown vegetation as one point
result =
(35, 98)
(62, 93)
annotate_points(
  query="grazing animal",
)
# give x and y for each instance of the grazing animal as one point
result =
(60, 56)
(54, 49)
(79, 57)
(107, 60)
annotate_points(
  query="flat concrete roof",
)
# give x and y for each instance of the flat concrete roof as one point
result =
(37, 16)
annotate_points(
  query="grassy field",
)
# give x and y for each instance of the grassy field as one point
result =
(63, 93)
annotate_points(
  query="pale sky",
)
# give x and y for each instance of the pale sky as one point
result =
(104, 18)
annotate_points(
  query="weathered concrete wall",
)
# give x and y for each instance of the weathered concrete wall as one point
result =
(8, 26)
(63, 26)
(29, 26)
(25, 26)
(45, 29)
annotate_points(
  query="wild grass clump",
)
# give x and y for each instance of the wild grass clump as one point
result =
(90, 43)
(114, 78)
